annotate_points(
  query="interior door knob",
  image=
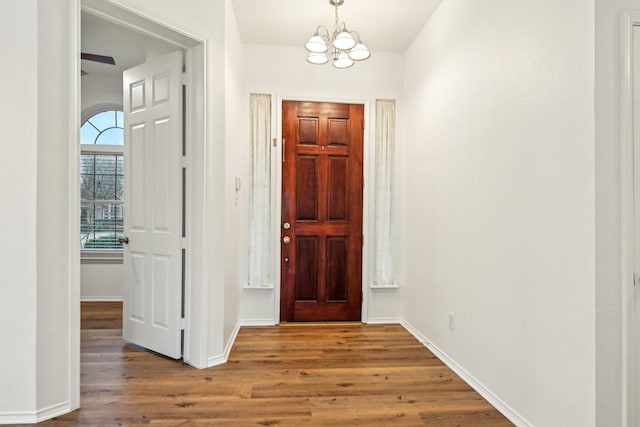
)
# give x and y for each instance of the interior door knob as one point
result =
(286, 240)
(123, 240)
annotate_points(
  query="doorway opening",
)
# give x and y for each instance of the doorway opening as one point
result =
(107, 91)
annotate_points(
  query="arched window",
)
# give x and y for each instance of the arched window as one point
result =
(104, 128)
(102, 181)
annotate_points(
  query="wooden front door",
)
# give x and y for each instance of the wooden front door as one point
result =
(322, 180)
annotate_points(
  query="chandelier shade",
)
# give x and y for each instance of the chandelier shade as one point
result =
(317, 58)
(345, 48)
(359, 52)
(344, 41)
(316, 44)
(342, 61)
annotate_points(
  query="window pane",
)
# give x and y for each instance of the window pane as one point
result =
(104, 128)
(105, 187)
(88, 134)
(101, 225)
(120, 165)
(120, 119)
(111, 136)
(87, 187)
(104, 120)
(87, 162)
(106, 163)
(119, 188)
(102, 194)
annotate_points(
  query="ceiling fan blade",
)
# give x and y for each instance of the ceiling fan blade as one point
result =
(98, 58)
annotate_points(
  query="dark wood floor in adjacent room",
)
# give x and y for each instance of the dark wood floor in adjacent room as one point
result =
(290, 375)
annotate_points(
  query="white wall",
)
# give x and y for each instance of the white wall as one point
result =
(235, 205)
(102, 280)
(609, 343)
(55, 46)
(18, 307)
(283, 72)
(499, 224)
(99, 89)
(38, 265)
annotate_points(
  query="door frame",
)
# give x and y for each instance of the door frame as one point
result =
(196, 47)
(368, 192)
(630, 360)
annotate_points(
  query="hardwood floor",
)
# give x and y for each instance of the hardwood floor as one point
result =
(289, 375)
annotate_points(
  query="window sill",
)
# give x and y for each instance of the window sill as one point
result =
(101, 257)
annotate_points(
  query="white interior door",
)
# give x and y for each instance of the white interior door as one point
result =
(634, 327)
(153, 205)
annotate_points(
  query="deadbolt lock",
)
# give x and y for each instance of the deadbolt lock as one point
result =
(286, 226)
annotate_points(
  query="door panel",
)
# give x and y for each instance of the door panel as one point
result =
(321, 266)
(153, 220)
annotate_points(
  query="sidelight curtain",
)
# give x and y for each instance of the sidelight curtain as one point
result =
(260, 193)
(384, 186)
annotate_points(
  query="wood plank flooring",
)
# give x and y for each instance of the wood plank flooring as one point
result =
(293, 375)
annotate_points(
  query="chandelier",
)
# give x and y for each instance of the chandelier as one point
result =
(345, 49)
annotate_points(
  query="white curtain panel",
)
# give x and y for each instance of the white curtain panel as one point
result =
(260, 193)
(384, 170)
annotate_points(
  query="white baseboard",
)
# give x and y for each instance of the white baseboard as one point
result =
(36, 416)
(18, 418)
(485, 392)
(258, 322)
(384, 321)
(100, 299)
(224, 357)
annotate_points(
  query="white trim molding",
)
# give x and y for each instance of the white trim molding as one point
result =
(101, 299)
(384, 321)
(629, 20)
(258, 322)
(36, 416)
(73, 208)
(222, 358)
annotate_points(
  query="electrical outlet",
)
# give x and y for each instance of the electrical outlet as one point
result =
(452, 321)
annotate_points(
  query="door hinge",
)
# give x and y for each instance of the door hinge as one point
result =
(184, 78)
(183, 243)
(363, 123)
(634, 279)
(183, 323)
(274, 141)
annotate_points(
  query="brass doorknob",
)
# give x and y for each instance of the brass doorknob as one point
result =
(286, 240)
